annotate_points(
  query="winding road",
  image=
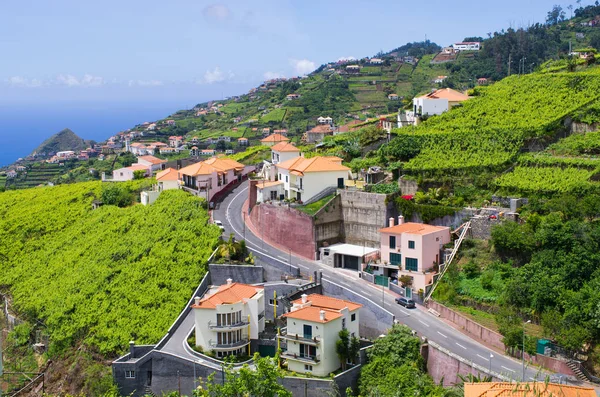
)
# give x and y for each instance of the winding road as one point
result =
(229, 211)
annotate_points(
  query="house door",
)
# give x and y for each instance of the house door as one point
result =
(298, 196)
(340, 183)
(149, 380)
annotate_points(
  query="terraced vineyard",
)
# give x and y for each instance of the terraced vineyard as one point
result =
(548, 180)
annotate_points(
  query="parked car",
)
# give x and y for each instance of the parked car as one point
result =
(407, 303)
(220, 224)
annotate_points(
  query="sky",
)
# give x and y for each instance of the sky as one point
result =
(188, 51)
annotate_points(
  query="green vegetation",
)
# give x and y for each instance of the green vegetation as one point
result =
(61, 141)
(577, 145)
(548, 180)
(313, 208)
(103, 277)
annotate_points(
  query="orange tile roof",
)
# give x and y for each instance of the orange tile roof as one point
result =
(528, 389)
(447, 93)
(313, 314)
(138, 167)
(152, 159)
(242, 139)
(210, 166)
(321, 129)
(301, 165)
(413, 228)
(285, 147)
(264, 184)
(327, 302)
(275, 138)
(170, 174)
(227, 294)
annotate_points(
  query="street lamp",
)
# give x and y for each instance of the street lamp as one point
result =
(491, 356)
(523, 352)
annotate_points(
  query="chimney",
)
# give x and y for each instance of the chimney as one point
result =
(400, 220)
(391, 221)
(197, 300)
(304, 298)
(322, 315)
(131, 350)
(229, 281)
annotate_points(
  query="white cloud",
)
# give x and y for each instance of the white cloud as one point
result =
(216, 76)
(145, 83)
(218, 12)
(72, 81)
(18, 81)
(273, 75)
(302, 66)
(343, 59)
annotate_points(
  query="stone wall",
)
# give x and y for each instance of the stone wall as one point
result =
(237, 273)
(452, 221)
(374, 319)
(282, 289)
(274, 221)
(581, 128)
(364, 214)
(307, 387)
(328, 223)
(407, 186)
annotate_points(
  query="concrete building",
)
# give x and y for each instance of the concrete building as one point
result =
(154, 163)
(318, 133)
(228, 317)
(283, 151)
(175, 141)
(127, 173)
(313, 327)
(324, 120)
(414, 250)
(347, 256)
(209, 177)
(305, 178)
(437, 102)
(168, 179)
(467, 46)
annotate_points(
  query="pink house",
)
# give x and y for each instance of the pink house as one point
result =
(414, 250)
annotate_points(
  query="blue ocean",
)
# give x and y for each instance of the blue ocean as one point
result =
(24, 127)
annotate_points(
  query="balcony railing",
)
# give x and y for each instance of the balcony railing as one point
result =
(315, 340)
(297, 186)
(228, 346)
(238, 324)
(300, 357)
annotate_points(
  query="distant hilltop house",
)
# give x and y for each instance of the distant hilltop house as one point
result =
(482, 81)
(291, 97)
(318, 133)
(66, 155)
(376, 61)
(170, 122)
(143, 149)
(440, 79)
(11, 174)
(467, 46)
(242, 141)
(353, 69)
(324, 120)
(281, 132)
(393, 97)
(175, 141)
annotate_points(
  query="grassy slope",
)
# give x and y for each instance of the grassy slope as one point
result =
(101, 277)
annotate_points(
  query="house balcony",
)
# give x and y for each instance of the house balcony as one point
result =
(234, 326)
(297, 187)
(229, 346)
(305, 358)
(314, 341)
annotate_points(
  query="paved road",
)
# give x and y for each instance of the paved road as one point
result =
(229, 211)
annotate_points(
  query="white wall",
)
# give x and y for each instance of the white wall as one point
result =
(430, 106)
(168, 185)
(122, 174)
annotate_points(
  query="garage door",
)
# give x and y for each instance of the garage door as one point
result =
(351, 262)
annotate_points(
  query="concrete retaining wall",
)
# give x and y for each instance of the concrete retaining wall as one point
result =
(480, 332)
(307, 387)
(238, 273)
(329, 225)
(374, 319)
(364, 214)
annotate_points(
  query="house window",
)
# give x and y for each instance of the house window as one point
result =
(395, 259)
(279, 176)
(307, 367)
(411, 244)
(343, 323)
(392, 242)
(308, 331)
(412, 264)
(130, 374)
(325, 252)
(286, 178)
(353, 317)
(307, 351)
(272, 302)
(273, 195)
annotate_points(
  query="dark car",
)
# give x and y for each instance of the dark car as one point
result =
(408, 303)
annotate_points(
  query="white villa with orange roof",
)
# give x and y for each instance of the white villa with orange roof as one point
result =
(209, 177)
(168, 179)
(127, 173)
(437, 102)
(313, 327)
(229, 317)
(283, 151)
(273, 139)
(154, 163)
(414, 250)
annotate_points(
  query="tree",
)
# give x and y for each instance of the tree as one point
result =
(262, 381)
(139, 174)
(116, 194)
(555, 15)
(347, 348)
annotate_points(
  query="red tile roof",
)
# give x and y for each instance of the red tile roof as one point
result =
(327, 302)
(275, 138)
(170, 174)
(152, 159)
(285, 147)
(301, 165)
(413, 228)
(228, 294)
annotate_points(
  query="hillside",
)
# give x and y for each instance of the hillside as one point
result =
(61, 141)
(96, 279)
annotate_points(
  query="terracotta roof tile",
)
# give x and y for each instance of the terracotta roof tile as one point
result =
(413, 228)
(228, 294)
(313, 314)
(447, 93)
(285, 147)
(170, 174)
(152, 159)
(314, 164)
(275, 138)
(327, 302)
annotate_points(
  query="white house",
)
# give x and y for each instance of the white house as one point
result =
(313, 327)
(440, 79)
(283, 151)
(467, 46)
(437, 102)
(376, 61)
(175, 141)
(154, 163)
(168, 179)
(127, 173)
(228, 317)
(324, 120)
(414, 250)
(305, 178)
(209, 177)
(273, 139)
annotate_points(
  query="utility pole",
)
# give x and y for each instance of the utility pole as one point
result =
(509, 62)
